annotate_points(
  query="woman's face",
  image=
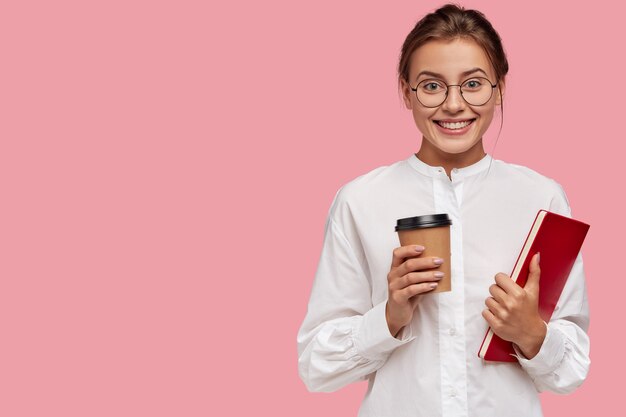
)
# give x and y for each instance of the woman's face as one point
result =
(450, 60)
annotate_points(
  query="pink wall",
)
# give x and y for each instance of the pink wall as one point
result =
(166, 169)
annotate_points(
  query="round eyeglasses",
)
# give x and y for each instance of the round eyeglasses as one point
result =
(476, 91)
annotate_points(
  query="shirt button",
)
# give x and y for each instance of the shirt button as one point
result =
(453, 393)
(452, 331)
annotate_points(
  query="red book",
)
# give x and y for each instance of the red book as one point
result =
(559, 240)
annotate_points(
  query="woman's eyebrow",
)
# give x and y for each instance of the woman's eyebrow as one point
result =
(464, 73)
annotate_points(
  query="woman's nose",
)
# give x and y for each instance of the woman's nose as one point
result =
(454, 100)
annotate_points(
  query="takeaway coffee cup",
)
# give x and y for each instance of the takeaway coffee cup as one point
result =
(433, 232)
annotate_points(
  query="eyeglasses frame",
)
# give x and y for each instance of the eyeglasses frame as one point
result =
(460, 91)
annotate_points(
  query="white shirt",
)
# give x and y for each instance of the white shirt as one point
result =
(433, 368)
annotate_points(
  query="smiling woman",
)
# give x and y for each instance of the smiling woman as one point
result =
(452, 120)
(373, 314)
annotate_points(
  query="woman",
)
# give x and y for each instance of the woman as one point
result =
(371, 314)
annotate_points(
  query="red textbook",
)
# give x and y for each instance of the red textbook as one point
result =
(559, 240)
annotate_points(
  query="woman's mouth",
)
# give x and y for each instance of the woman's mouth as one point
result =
(454, 128)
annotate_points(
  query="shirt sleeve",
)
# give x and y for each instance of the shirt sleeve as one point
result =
(562, 363)
(343, 338)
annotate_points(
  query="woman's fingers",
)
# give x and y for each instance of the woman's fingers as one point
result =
(494, 307)
(403, 252)
(497, 293)
(415, 278)
(413, 290)
(418, 264)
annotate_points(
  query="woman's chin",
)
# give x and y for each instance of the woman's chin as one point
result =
(455, 146)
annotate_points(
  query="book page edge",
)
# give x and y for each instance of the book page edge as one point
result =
(528, 244)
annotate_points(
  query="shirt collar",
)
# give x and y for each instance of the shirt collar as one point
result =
(437, 171)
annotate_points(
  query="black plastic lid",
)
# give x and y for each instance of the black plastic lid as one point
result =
(420, 222)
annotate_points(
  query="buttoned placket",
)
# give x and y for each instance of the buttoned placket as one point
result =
(448, 196)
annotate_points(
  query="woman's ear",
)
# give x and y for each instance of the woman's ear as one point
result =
(406, 94)
(500, 93)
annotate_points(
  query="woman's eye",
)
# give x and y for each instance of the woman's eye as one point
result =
(473, 84)
(432, 86)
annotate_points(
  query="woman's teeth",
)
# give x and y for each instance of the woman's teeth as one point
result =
(455, 125)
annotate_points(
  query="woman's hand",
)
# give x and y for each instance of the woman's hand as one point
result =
(513, 312)
(405, 284)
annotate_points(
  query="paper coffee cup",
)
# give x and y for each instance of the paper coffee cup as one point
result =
(433, 232)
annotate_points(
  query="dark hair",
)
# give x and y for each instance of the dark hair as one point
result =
(451, 22)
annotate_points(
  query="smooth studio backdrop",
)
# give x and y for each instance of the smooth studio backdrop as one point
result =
(166, 168)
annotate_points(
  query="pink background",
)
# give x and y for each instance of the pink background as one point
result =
(166, 168)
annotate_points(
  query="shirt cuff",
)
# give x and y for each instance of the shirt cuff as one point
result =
(549, 356)
(372, 337)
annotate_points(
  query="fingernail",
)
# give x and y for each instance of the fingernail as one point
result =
(433, 285)
(439, 274)
(419, 248)
(438, 261)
